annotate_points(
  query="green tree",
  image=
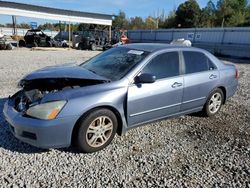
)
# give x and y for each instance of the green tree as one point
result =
(23, 25)
(161, 19)
(239, 18)
(9, 25)
(151, 23)
(170, 22)
(136, 23)
(58, 25)
(207, 18)
(120, 21)
(187, 14)
(231, 12)
(247, 21)
(81, 26)
(49, 26)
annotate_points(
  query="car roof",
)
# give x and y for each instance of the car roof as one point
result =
(152, 47)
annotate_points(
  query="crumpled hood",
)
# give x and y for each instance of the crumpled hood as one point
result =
(64, 71)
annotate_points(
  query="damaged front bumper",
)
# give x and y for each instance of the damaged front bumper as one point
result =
(46, 134)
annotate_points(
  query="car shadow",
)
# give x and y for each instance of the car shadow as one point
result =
(197, 114)
(8, 141)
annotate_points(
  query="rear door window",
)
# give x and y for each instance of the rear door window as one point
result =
(197, 62)
(163, 66)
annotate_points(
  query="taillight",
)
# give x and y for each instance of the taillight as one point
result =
(236, 73)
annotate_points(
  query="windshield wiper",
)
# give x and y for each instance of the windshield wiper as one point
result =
(91, 71)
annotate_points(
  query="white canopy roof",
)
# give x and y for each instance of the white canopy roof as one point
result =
(32, 11)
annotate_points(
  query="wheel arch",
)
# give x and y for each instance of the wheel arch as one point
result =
(224, 93)
(111, 108)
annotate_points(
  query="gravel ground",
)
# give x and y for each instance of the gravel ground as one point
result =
(188, 151)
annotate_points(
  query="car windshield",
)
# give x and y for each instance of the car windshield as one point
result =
(115, 63)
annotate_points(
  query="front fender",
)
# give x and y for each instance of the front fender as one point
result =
(110, 98)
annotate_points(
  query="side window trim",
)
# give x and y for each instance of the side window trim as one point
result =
(160, 53)
(184, 63)
(215, 67)
(151, 58)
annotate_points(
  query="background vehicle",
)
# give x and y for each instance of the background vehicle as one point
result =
(91, 39)
(37, 38)
(4, 44)
(120, 89)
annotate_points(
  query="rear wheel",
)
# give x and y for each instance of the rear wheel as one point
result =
(96, 131)
(9, 47)
(214, 103)
(80, 46)
(93, 47)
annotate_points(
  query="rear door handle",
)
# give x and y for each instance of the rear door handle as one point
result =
(212, 76)
(176, 84)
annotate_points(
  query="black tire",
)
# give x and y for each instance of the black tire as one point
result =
(49, 44)
(93, 47)
(22, 43)
(34, 44)
(89, 142)
(9, 47)
(64, 45)
(80, 46)
(208, 109)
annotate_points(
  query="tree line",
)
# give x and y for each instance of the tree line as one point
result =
(223, 13)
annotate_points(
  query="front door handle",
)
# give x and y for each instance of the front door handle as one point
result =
(176, 84)
(212, 76)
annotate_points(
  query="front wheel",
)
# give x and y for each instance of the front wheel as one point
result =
(35, 44)
(22, 43)
(214, 103)
(96, 131)
(49, 44)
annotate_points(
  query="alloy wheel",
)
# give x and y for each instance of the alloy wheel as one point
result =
(215, 103)
(99, 131)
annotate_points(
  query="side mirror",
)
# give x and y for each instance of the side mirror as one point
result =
(145, 78)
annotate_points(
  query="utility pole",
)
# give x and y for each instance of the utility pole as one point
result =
(110, 34)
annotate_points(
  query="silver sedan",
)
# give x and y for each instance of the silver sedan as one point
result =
(119, 89)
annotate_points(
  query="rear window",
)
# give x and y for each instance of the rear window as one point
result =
(197, 62)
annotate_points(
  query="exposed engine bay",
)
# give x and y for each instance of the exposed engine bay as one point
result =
(34, 90)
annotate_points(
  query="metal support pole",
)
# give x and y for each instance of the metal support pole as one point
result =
(140, 36)
(195, 31)
(14, 32)
(69, 34)
(223, 36)
(172, 34)
(60, 30)
(110, 34)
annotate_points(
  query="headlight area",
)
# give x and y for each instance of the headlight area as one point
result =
(46, 111)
